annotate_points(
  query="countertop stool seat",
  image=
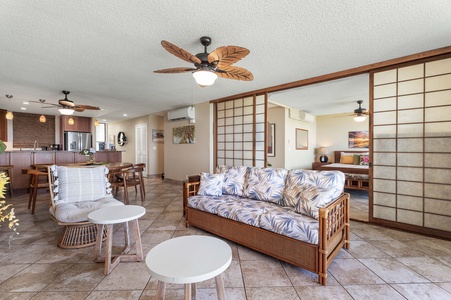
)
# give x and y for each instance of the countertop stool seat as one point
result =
(9, 172)
(187, 260)
(108, 217)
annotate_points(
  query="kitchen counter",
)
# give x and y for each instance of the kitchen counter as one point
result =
(24, 159)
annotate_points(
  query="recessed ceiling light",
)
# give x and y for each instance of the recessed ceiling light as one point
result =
(23, 108)
(124, 115)
(25, 102)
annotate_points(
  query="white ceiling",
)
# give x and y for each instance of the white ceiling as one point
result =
(104, 52)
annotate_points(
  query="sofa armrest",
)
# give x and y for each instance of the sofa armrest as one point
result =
(334, 231)
(189, 189)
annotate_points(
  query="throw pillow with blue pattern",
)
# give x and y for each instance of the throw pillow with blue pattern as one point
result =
(266, 184)
(316, 190)
(234, 179)
(211, 184)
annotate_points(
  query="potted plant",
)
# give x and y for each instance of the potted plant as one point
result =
(6, 210)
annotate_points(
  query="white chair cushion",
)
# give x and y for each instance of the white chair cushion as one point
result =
(79, 211)
(81, 184)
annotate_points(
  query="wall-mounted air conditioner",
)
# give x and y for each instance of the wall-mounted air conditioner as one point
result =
(186, 113)
(300, 115)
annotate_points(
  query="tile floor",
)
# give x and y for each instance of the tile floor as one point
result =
(381, 264)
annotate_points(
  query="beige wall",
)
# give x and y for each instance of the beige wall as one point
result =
(332, 132)
(286, 154)
(298, 159)
(181, 160)
(276, 115)
(155, 158)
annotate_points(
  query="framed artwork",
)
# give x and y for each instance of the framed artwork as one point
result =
(358, 139)
(184, 135)
(157, 135)
(301, 139)
(272, 139)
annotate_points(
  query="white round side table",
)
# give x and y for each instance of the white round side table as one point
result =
(108, 217)
(187, 260)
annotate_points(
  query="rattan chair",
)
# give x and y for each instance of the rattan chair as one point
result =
(74, 193)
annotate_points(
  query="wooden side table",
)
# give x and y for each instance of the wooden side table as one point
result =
(187, 260)
(108, 217)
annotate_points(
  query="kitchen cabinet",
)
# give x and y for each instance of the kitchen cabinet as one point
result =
(81, 124)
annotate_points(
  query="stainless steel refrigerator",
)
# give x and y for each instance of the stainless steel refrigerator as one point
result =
(77, 141)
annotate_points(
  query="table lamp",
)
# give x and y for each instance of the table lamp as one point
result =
(322, 151)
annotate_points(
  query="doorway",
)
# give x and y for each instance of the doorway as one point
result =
(141, 145)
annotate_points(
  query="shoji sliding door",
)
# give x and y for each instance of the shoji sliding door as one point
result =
(411, 146)
(240, 132)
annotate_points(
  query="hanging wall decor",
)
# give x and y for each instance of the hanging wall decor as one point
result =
(184, 135)
(157, 135)
(358, 139)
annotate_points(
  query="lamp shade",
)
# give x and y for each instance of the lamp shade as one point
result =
(322, 150)
(359, 118)
(9, 115)
(66, 111)
(205, 78)
(96, 122)
(70, 121)
(42, 119)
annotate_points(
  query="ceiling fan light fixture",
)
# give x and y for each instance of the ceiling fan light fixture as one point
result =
(205, 78)
(42, 119)
(359, 117)
(66, 111)
(9, 115)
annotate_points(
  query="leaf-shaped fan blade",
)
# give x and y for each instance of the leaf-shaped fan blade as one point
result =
(227, 55)
(232, 72)
(175, 70)
(82, 107)
(180, 53)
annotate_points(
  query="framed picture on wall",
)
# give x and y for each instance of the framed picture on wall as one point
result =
(358, 139)
(301, 139)
(157, 135)
(272, 139)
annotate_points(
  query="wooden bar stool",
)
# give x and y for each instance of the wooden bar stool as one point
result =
(34, 186)
(8, 169)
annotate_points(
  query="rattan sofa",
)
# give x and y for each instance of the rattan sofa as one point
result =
(333, 233)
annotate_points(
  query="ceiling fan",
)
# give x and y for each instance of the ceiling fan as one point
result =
(208, 66)
(360, 113)
(66, 106)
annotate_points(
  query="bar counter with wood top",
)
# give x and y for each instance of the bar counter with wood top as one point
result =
(25, 159)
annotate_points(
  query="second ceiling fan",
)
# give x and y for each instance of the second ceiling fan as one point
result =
(208, 66)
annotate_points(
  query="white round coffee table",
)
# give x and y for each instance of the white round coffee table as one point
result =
(187, 260)
(108, 217)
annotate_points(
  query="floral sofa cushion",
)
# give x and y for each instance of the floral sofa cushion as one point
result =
(211, 184)
(266, 184)
(210, 203)
(234, 178)
(285, 221)
(80, 184)
(308, 191)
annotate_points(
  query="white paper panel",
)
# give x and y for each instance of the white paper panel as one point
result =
(385, 213)
(385, 77)
(441, 82)
(388, 159)
(410, 217)
(384, 131)
(410, 101)
(438, 98)
(438, 145)
(434, 114)
(436, 160)
(437, 176)
(410, 130)
(410, 87)
(384, 118)
(383, 185)
(410, 116)
(384, 145)
(437, 67)
(249, 101)
(410, 145)
(410, 202)
(384, 172)
(229, 104)
(410, 174)
(437, 222)
(248, 146)
(238, 111)
(238, 120)
(410, 188)
(229, 121)
(220, 106)
(411, 72)
(383, 91)
(410, 159)
(248, 110)
(238, 102)
(384, 104)
(438, 129)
